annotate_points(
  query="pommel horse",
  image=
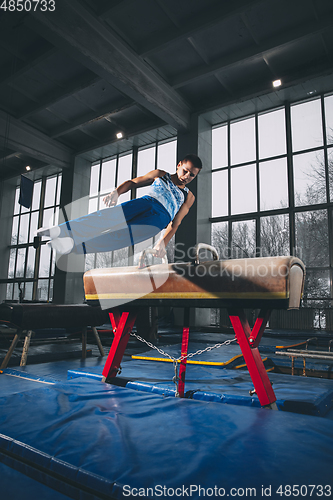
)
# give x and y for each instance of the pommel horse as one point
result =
(260, 283)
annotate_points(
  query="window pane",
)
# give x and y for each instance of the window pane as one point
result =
(36, 195)
(14, 231)
(243, 239)
(11, 266)
(56, 215)
(90, 261)
(24, 228)
(94, 180)
(50, 298)
(50, 190)
(306, 120)
(329, 118)
(15, 291)
(48, 217)
(220, 239)
(167, 157)
(43, 290)
(330, 172)
(16, 204)
(33, 226)
(220, 147)
(59, 189)
(9, 291)
(44, 265)
(272, 134)
(309, 178)
(120, 258)
(242, 135)
(312, 237)
(53, 264)
(243, 189)
(146, 163)
(273, 184)
(124, 174)
(104, 259)
(108, 176)
(92, 205)
(30, 263)
(28, 291)
(274, 235)
(20, 262)
(220, 193)
(316, 285)
(146, 160)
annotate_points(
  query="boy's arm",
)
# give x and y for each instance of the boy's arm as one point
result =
(174, 225)
(144, 180)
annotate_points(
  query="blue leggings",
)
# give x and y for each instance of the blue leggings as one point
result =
(117, 227)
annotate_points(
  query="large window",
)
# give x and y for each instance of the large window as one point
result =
(273, 187)
(106, 175)
(32, 270)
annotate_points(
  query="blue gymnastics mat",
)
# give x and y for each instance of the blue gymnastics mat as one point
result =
(86, 439)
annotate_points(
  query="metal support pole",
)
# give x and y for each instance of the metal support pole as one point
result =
(26, 348)
(98, 340)
(11, 349)
(84, 342)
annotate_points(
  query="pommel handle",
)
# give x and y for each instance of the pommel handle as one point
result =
(204, 246)
(143, 257)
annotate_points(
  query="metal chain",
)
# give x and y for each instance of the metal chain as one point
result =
(184, 356)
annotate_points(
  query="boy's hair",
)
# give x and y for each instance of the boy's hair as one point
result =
(194, 159)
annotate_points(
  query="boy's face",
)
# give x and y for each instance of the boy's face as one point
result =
(186, 172)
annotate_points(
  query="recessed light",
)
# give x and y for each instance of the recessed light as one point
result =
(119, 135)
(27, 168)
(277, 83)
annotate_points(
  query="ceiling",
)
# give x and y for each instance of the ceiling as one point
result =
(72, 78)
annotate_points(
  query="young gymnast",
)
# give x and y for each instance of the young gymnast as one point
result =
(131, 222)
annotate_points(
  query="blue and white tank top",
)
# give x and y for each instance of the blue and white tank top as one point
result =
(168, 194)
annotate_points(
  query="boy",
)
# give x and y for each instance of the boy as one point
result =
(166, 205)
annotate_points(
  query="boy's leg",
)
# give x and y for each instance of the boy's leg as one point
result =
(112, 228)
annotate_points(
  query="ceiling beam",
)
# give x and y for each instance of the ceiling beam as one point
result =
(258, 51)
(265, 88)
(152, 125)
(11, 72)
(25, 139)
(106, 10)
(90, 117)
(72, 87)
(206, 19)
(74, 29)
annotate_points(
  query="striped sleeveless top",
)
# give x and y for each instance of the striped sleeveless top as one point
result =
(168, 194)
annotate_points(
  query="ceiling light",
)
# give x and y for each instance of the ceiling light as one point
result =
(119, 135)
(277, 83)
(27, 168)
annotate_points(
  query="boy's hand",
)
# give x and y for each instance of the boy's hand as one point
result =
(111, 199)
(159, 249)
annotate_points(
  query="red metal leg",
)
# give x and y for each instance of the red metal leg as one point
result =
(248, 341)
(122, 326)
(182, 368)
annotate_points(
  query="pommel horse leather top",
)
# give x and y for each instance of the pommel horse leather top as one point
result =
(265, 283)
(274, 282)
